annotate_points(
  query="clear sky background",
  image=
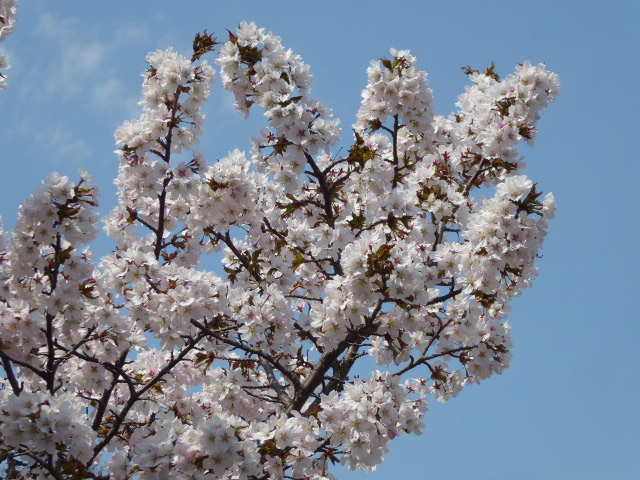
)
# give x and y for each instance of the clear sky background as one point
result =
(569, 406)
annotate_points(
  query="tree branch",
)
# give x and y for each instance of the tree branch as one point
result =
(396, 160)
(13, 381)
(324, 187)
(103, 403)
(226, 238)
(472, 180)
(41, 373)
(246, 348)
(327, 361)
(297, 248)
(275, 384)
(424, 359)
(120, 418)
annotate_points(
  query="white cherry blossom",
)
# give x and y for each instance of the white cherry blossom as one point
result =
(384, 249)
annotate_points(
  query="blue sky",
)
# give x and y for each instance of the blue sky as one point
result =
(569, 406)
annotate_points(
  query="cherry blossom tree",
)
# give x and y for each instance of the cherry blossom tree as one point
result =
(144, 365)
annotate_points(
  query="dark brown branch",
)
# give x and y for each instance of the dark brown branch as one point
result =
(103, 403)
(442, 224)
(114, 369)
(335, 164)
(340, 180)
(162, 199)
(51, 367)
(396, 160)
(70, 352)
(275, 384)
(424, 359)
(169, 138)
(322, 181)
(472, 180)
(246, 348)
(156, 152)
(382, 221)
(13, 381)
(445, 297)
(41, 373)
(317, 262)
(328, 360)
(14, 465)
(341, 369)
(120, 418)
(46, 465)
(413, 363)
(226, 238)
(264, 398)
(328, 205)
(303, 297)
(147, 224)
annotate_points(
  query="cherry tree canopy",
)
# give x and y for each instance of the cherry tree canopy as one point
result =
(405, 247)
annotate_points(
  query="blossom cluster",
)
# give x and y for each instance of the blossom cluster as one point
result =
(174, 90)
(8, 10)
(45, 270)
(257, 69)
(248, 370)
(44, 425)
(398, 89)
(370, 414)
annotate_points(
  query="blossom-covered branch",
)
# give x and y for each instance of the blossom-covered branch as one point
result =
(247, 371)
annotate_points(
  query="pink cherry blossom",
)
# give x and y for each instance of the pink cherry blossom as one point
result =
(145, 364)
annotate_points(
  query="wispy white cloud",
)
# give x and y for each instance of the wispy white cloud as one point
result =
(71, 80)
(64, 144)
(83, 63)
(69, 88)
